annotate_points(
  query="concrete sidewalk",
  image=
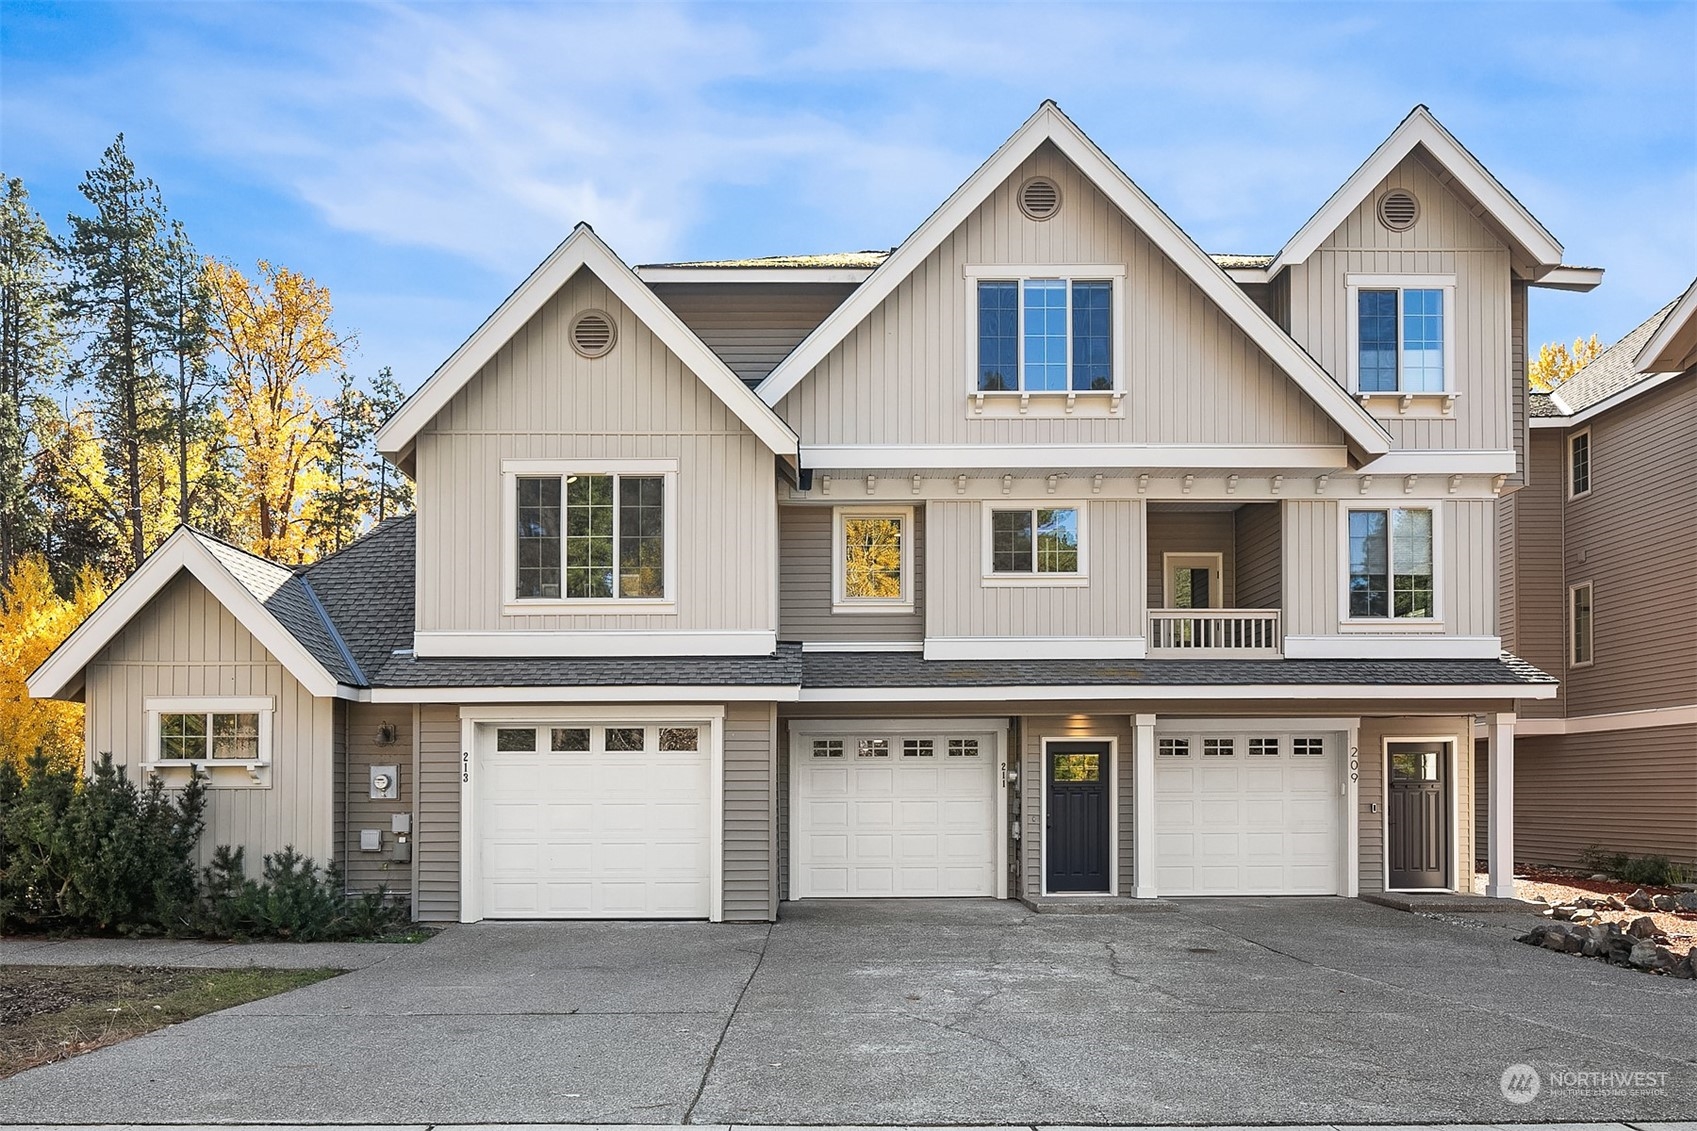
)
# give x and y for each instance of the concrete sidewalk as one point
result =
(29, 951)
(908, 1127)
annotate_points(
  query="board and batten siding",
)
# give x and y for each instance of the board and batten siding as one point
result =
(357, 727)
(1447, 240)
(184, 643)
(1631, 791)
(805, 584)
(752, 326)
(538, 399)
(1192, 376)
(1313, 561)
(1034, 776)
(959, 604)
(1634, 537)
(750, 799)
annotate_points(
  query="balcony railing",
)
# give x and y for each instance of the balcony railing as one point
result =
(1214, 633)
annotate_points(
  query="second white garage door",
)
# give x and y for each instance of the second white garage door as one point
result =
(1256, 812)
(893, 813)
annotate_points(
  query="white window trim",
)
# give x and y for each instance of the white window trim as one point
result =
(262, 705)
(845, 604)
(993, 580)
(1353, 286)
(511, 471)
(1440, 586)
(1590, 449)
(1114, 786)
(1573, 627)
(1111, 273)
(1452, 804)
(1212, 561)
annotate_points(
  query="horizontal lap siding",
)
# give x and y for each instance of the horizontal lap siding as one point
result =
(1370, 790)
(902, 376)
(960, 604)
(1632, 791)
(1446, 240)
(1034, 776)
(1536, 511)
(537, 399)
(1191, 532)
(752, 327)
(805, 584)
(184, 643)
(750, 805)
(358, 732)
(1258, 530)
(437, 846)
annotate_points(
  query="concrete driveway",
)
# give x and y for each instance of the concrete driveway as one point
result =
(1225, 1011)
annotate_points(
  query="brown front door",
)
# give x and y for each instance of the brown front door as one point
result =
(1417, 835)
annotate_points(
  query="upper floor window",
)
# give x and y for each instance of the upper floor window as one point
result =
(1391, 556)
(1053, 334)
(1402, 334)
(1034, 543)
(1579, 464)
(873, 559)
(596, 532)
(1579, 634)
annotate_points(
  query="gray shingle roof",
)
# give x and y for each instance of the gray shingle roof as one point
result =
(367, 590)
(1610, 372)
(908, 669)
(781, 669)
(291, 600)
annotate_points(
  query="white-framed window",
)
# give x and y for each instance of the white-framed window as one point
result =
(590, 533)
(1060, 331)
(1581, 621)
(1401, 334)
(872, 559)
(1391, 556)
(1579, 464)
(1034, 543)
(209, 731)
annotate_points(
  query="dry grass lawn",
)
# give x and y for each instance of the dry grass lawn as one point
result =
(48, 1013)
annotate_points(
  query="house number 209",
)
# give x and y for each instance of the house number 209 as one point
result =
(465, 766)
(1354, 764)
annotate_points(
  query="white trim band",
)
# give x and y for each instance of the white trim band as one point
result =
(1393, 646)
(1649, 719)
(1036, 647)
(521, 644)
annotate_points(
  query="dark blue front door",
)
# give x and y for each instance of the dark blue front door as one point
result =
(1079, 838)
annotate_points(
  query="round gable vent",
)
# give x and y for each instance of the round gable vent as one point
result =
(593, 333)
(1039, 198)
(1398, 209)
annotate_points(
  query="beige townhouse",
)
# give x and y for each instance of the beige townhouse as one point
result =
(1045, 556)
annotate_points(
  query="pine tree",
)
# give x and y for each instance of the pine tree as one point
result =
(31, 358)
(394, 492)
(116, 296)
(185, 312)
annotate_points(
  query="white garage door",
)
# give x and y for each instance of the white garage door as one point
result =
(593, 822)
(893, 814)
(1251, 813)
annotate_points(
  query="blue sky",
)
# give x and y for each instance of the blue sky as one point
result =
(420, 159)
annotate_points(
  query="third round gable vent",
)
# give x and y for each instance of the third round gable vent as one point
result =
(592, 333)
(1398, 209)
(1039, 198)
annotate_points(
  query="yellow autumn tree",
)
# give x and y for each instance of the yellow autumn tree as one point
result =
(274, 333)
(1557, 362)
(34, 620)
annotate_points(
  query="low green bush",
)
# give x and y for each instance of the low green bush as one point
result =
(105, 856)
(1647, 871)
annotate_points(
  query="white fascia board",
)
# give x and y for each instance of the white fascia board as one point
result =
(1672, 346)
(583, 248)
(1440, 462)
(624, 693)
(1392, 646)
(518, 644)
(997, 456)
(800, 275)
(1648, 719)
(1564, 278)
(1420, 128)
(1036, 647)
(1049, 124)
(1604, 405)
(62, 672)
(1143, 692)
(1241, 275)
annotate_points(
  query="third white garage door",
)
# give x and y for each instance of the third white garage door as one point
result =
(901, 812)
(1253, 812)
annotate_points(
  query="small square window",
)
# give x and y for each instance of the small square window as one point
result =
(917, 748)
(963, 748)
(568, 739)
(621, 739)
(182, 737)
(1308, 747)
(827, 748)
(1263, 748)
(1219, 747)
(513, 740)
(872, 748)
(236, 737)
(1174, 748)
(680, 738)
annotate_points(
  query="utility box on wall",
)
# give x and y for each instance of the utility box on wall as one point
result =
(385, 783)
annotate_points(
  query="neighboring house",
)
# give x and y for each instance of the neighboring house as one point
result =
(1043, 555)
(1599, 587)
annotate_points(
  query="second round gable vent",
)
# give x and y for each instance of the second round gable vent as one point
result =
(592, 333)
(1039, 198)
(1398, 209)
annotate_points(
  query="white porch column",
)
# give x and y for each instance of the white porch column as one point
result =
(1143, 794)
(1500, 736)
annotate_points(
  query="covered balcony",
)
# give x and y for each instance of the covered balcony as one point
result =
(1216, 580)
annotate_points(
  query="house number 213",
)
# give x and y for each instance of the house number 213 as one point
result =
(465, 766)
